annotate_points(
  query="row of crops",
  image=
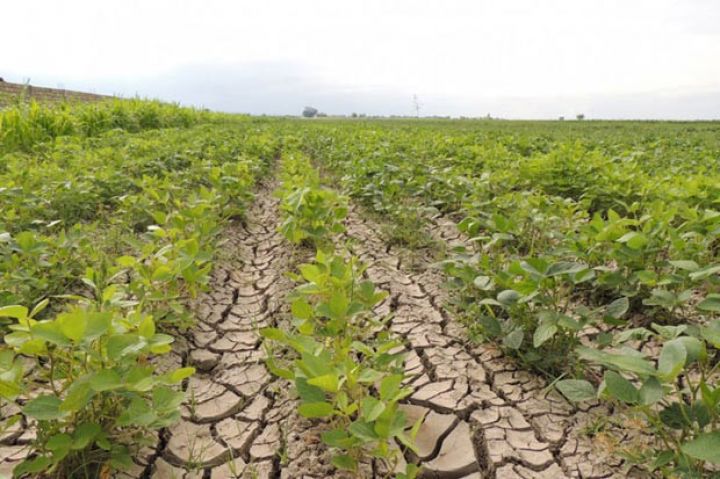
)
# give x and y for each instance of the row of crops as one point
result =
(593, 256)
(106, 233)
(347, 368)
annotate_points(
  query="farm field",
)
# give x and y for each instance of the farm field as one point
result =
(186, 294)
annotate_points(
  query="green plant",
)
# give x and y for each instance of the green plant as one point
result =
(311, 212)
(678, 398)
(349, 370)
(94, 394)
(528, 307)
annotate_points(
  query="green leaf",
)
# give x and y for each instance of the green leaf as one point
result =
(85, 434)
(50, 332)
(344, 462)
(369, 375)
(620, 388)
(483, 283)
(672, 360)
(508, 297)
(146, 328)
(105, 380)
(73, 325)
(181, 373)
(363, 430)
(662, 459)
(13, 311)
(705, 447)
(618, 308)
(711, 333)
(624, 362)
(514, 340)
(120, 345)
(316, 365)
(166, 398)
(273, 333)
(39, 307)
(97, 324)
(565, 267)
(651, 391)
(77, 397)
(9, 390)
(634, 240)
(490, 326)
(301, 309)
(576, 389)
(372, 408)
(59, 444)
(326, 382)
(686, 265)
(32, 466)
(338, 438)
(126, 261)
(310, 272)
(338, 305)
(676, 416)
(308, 392)
(710, 396)
(44, 408)
(696, 349)
(162, 273)
(389, 386)
(315, 409)
(705, 272)
(632, 334)
(120, 458)
(159, 343)
(711, 303)
(545, 331)
(669, 332)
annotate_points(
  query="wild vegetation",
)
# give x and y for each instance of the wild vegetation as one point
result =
(588, 254)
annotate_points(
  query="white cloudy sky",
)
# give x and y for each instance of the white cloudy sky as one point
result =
(511, 58)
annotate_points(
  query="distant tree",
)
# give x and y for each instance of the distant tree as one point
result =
(561, 118)
(309, 112)
(354, 115)
(580, 117)
(321, 114)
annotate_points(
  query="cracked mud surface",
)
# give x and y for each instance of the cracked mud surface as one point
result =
(484, 418)
(239, 420)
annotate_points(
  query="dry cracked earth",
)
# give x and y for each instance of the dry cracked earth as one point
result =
(484, 418)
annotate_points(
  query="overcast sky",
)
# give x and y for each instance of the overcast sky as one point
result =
(509, 58)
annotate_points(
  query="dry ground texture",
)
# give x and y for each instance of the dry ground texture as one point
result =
(484, 418)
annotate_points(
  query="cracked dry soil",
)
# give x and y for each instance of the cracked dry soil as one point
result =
(484, 418)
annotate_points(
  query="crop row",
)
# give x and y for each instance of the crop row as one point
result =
(107, 241)
(347, 368)
(592, 259)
